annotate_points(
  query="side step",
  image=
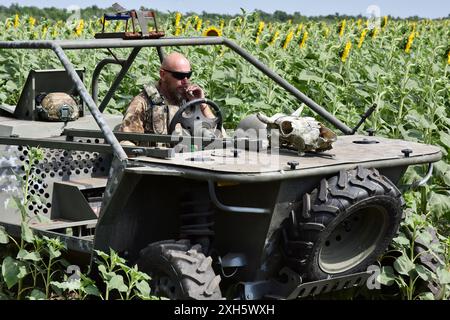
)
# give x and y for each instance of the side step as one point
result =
(294, 288)
(335, 284)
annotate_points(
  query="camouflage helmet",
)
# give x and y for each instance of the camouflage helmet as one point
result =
(57, 106)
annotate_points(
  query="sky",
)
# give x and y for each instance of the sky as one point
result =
(396, 8)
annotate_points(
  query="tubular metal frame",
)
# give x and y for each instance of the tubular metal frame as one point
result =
(58, 47)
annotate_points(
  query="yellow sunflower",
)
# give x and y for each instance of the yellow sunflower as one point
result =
(212, 32)
(16, 21)
(346, 51)
(410, 41)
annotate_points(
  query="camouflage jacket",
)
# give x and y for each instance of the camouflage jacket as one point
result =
(148, 112)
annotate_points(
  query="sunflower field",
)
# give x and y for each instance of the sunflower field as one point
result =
(345, 65)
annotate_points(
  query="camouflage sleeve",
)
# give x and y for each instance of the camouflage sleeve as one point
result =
(133, 120)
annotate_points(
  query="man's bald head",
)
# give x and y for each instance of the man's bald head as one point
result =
(176, 62)
(173, 88)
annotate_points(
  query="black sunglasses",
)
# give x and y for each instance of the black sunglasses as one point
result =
(179, 75)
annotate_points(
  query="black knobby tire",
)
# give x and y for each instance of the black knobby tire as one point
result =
(343, 225)
(179, 271)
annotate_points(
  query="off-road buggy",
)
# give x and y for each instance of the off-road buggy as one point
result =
(240, 222)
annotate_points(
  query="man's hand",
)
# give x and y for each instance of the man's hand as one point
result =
(193, 92)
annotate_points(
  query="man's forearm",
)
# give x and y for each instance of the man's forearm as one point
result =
(207, 111)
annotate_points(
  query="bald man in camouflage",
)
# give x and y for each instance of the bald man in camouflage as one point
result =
(152, 110)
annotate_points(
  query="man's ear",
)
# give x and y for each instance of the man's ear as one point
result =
(161, 73)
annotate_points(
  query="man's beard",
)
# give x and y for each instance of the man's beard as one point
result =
(177, 97)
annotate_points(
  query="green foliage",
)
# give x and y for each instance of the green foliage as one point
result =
(3, 236)
(41, 269)
(37, 270)
(414, 271)
(118, 280)
(81, 287)
(127, 281)
(12, 271)
(28, 177)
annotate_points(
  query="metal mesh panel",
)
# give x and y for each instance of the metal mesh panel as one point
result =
(60, 165)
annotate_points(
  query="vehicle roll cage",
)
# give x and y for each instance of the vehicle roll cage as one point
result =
(58, 46)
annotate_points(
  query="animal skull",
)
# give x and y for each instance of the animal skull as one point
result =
(300, 133)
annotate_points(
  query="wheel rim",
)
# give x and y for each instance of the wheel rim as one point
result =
(353, 240)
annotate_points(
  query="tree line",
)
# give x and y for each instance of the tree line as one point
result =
(94, 11)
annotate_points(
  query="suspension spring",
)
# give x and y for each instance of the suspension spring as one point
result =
(196, 218)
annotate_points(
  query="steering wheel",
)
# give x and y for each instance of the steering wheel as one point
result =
(188, 122)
